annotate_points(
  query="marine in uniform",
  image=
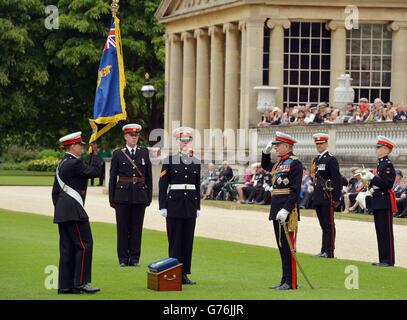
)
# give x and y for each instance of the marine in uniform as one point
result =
(130, 192)
(383, 200)
(327, 192)
(68, 197)
(286, 182)
(179, 199)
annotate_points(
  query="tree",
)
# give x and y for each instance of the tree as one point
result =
(48, 82)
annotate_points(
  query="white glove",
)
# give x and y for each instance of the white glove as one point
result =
(282, 215)
(163, 212)
(198, 212)
(268, 148)
(367, 176)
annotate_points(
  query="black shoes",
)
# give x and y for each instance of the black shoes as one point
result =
(323, 255)
(129, 263)
(382, 264)
(134, 264)
(284, 286)
(186, 280)
(87, 288)
(69, 291)
(276, 286)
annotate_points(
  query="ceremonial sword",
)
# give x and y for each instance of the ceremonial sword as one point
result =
(293, 253)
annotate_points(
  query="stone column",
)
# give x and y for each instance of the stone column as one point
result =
(276, 56)
(254, 68)
(166, 80)
(338, 54)
(232, 65)
(202, 80)
(399, 62)
(175, 81)
(188, 81)
(216, 110)
(243, 41)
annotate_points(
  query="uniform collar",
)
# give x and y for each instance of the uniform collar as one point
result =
(68, 153)
(129, 148)
(286, 156)
(384, 158)
(322, 153)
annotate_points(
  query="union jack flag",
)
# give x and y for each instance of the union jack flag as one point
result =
(111, 38)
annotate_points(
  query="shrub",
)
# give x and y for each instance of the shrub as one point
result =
(22, 166)
(49, 153)
(47, 164)
(17, 154)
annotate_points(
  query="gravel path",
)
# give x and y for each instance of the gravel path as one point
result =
(356, 240)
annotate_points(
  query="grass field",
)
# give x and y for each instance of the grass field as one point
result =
(25, 178)
(223, 270)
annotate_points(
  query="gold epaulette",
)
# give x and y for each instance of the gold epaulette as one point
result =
(294, 157)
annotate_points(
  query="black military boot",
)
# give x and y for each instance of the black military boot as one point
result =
(186, 280)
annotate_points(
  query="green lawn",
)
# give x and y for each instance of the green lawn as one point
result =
(25, 178)
(223, 270)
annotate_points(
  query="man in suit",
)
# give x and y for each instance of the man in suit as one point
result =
(130, 192)
(179, 199)
(327, 192)
(68, 197)
(383, 200)
(286, 182)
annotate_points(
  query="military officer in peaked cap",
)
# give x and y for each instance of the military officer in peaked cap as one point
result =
(383, 200)
(130, 192)
(75, 236)
(179, 199)
(327, 192)
(286, 182)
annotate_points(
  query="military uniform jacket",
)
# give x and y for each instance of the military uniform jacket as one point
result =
(74, 173)
(382, 183)
(180, 169)
(326, 168)
(128, 192)
(286, 175)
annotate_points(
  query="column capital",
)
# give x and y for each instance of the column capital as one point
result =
(173, 37)
(254, 22)
(334, 25)
(200, 33)
(229, 27)
(214, 30)
(272, 23)
(397, 25)
(242, 25)
(187, 35)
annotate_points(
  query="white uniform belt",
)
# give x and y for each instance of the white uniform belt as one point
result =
(67, 189)
(182, 187)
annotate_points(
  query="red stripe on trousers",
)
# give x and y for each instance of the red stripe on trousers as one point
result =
(83, 254)
(390, 240)
(293, 264)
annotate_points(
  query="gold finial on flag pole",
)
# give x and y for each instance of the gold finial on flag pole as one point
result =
(114, 6)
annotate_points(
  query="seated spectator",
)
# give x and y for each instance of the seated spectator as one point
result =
(208, 182)
(354, 188)
(225, 174)
(248, 181)
(401, 113)
(265, 119)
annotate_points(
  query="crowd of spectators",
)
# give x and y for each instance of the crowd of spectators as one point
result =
(256, 188)
(325, 114)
